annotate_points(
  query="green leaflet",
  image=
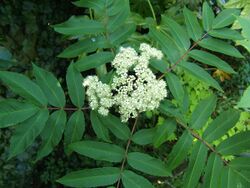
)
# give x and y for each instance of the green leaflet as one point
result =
(144, 136)
(99, 150)
(196, 165)
(93, 61)
(75, 128)
(100, 130)
(118, 14)
(192, 24)
(220, 46)
(27, 131)
(226, 33)
(212, 172)
(160, 65)
(23, 86)
(74, 81)
(97, 5)
(219, 126)
(147, 164)
(52, 133)
(245, 24)
(79, 26)
(231, 178)
(85, 46)
(245, 99)
(50, 86)
(13, 112)
(179, 151)
(168, 44)
(179, 34)
(202, 112)
(207, 16)
(235, 144)
(168, 108)
(210, 59)
(175, 87)
(91, 177)
(225, 18)
(201, 74)
(163, 131)
(240, 163)
(114, 124)
(122, 34)
(131, 179)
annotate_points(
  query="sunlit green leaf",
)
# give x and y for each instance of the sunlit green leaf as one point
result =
(200, 73)
(225, 18)
(235, 144)
(193, 26)
(226, 33)
(245, 99)
(196, 165)
(210, 59)
(202, 112)
(212, 174)
(207, 16)
(219, 126)
(179, 34)
(220, 46)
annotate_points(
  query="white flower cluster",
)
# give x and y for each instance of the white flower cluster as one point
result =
(99, 94)
(134, 88)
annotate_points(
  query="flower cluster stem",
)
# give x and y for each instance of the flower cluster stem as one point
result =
(152, 10)
(126, 151)
(182, 57)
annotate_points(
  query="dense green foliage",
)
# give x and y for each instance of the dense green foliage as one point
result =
(181, 144)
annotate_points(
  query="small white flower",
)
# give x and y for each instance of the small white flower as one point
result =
(134, 88)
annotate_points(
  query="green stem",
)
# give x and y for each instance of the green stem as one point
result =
(182, 57)
(126, 151)
(91, 14)
(152, 10)
(67, 108)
